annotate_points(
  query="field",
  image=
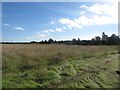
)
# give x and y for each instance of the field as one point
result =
(59, 66)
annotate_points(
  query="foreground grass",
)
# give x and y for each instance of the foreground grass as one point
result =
(59, 66)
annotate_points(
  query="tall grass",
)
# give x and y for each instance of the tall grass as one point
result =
(36, 65)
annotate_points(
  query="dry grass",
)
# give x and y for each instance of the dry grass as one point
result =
(61, 61)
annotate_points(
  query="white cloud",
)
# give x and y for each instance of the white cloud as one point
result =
(64, 27)
(83, 20)
(19, 28)
(47, 31)
(52, 22)
(107, 10)
(100, 14)
(6, 24)
(51, 31)
(82, 12)
(71, 24)
(40, 35)
(96, 8)
(83, 6)
(37, 36)
(95, 20)
(59, 30)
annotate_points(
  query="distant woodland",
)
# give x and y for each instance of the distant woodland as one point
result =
(105, 40)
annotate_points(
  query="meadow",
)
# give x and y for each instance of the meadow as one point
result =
(59, 66)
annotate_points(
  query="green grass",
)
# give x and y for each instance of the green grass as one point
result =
(59, 66)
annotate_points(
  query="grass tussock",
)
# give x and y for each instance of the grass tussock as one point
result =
(59, 66)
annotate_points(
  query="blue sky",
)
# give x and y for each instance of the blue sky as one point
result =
(27, 21)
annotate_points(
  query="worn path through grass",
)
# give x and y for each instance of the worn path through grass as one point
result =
(59, 66)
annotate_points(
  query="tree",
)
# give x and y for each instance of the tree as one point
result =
(74, 41)
(33, 42)
(113, 40)
(104, 38)
(97, 40)
(78, 41)
(93, 41)
(50, 41)
(45, 42)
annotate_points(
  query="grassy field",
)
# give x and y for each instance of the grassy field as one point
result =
(59, 66)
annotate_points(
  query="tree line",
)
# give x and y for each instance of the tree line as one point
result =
(105, 40)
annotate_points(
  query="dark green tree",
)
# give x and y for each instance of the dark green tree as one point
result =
(104, 38)
(50, 41)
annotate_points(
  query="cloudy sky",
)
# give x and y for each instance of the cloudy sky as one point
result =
(26, 21)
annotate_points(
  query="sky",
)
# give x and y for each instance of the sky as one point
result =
(28, 21)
